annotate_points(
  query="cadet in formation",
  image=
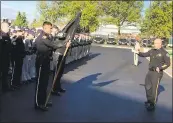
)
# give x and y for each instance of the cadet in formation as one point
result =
(17, 54)
(5, 55)
(57, 89)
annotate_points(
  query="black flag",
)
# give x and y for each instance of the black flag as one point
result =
(69, 30)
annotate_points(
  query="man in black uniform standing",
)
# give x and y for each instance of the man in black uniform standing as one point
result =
(18, 54)
(44, 47)
(57, 89)
(159, 61)
(5, 55)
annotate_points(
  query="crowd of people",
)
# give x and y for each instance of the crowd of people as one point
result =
(27, 55)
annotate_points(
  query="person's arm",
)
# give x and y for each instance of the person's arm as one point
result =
(51, 44)
(144, 54)
(166, 64)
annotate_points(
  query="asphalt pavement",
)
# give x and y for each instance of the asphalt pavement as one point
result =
(103, 87)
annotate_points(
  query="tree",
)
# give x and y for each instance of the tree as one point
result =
(20, 20)
(90, 12)
(36, 23)
(50, 11)
(119, 12)
(158, 19)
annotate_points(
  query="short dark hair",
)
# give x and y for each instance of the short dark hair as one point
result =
(47, 23)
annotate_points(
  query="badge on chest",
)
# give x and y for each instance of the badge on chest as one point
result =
(159, 55)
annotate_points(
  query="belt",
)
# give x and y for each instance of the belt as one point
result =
(153, 69)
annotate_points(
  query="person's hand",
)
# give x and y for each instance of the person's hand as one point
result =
(135, 51)
(68, 44)
(137, 47)
(157, 69)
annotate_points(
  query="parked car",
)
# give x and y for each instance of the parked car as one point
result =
(146, 43)
(99, 39)
(111, 40)
(131, 42)
(122, 41)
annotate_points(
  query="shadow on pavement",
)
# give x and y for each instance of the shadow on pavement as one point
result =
(83, 101)
(74, 65)
(101, 84)
(160, 88)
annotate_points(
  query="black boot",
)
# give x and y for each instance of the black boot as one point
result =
(56, 93)
(49, 104)
(62, 90)
(42, 108)
(150, 107)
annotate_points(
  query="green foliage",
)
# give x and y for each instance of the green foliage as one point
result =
(20, 20)
(118, 12)
(90, 12)
(158, 19)
(36, 23)
(54, 11)
(50, 11)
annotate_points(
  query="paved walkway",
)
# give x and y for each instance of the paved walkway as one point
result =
(104, 87)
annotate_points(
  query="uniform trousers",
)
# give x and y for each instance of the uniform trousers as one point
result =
(152, 82)
(42, 76)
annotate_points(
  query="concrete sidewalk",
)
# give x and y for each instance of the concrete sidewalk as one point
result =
(167, 71)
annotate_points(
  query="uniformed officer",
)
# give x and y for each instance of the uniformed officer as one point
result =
(55, 55)
(159, 61)
(44, 51)
(0, 62)
(27, 69)
(57, 89)
(5, 55)
(18, 54)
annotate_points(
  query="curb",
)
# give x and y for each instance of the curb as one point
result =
(120, 47)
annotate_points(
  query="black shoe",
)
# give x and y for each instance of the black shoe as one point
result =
(49, 104)
(147, 103)
(42, 108)
(150, 107)
(25, 82)
(62, 90)
(14, 87)
(56, 93)
(33, 80)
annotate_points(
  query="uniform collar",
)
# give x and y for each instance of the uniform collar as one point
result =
(4, 34)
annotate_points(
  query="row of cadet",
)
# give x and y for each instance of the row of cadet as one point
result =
(80, 47)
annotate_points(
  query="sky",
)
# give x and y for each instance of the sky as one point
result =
(9, 9)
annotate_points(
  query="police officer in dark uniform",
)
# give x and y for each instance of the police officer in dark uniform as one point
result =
(44, 47)
(18, 54)
(0, 62)
(57, 89)
(159, 61)
(5, 55)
